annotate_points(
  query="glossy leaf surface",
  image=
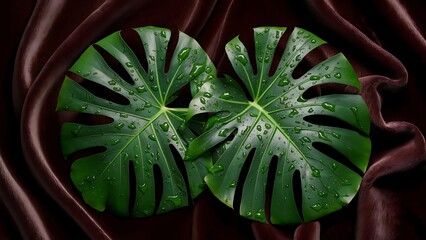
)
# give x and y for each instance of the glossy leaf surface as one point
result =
(272, 135)
(143, 135)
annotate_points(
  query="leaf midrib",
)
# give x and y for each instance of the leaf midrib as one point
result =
(164, 110)
(278, 126)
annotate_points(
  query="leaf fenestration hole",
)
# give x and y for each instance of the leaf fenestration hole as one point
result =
(232, 135)
(246, 37)
(310, 60)
(181, 166)
(86, 118)
(297, 192)
(184, 96)
(336, 155)
(131, 37)
(270, 185)
(99, 90)
(330, 121)
(171, 48)
(158, 179)
(328, 89)
(242, 178)
(312, 92)
(132, 187)
(85, 153)
(279, 51)
(114, 64)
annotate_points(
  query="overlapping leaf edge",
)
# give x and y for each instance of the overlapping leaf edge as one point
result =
(197, 111)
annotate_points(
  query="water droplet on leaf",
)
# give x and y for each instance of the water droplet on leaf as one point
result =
(316, 207)
(143, 188)
(242, 59)
(84, 107)
(297, 129)
(338, 75)
(223, 132)
(322, 136)
(252, 114)
(207, 95)
(164, 126)
(329, 106)
(322, 194)
(141, 89)
(119, 126)
(314, 78)
(226, 96)
(197, 69)
(336, 135)
(176, 200)
(90, 179)
(293, 113)
(315, 172)
(183, 54)
(216, 168)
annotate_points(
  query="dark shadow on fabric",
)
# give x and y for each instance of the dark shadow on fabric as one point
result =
(388, 140)
(404, 180)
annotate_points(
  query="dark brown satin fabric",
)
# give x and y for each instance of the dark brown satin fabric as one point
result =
(384, 40)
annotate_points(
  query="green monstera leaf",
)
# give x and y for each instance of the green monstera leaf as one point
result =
(143, 134)
(272, 136)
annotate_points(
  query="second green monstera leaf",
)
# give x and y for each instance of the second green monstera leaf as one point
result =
(269, 134)
(143, 135)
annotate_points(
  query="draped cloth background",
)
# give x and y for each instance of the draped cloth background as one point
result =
(384, 40)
